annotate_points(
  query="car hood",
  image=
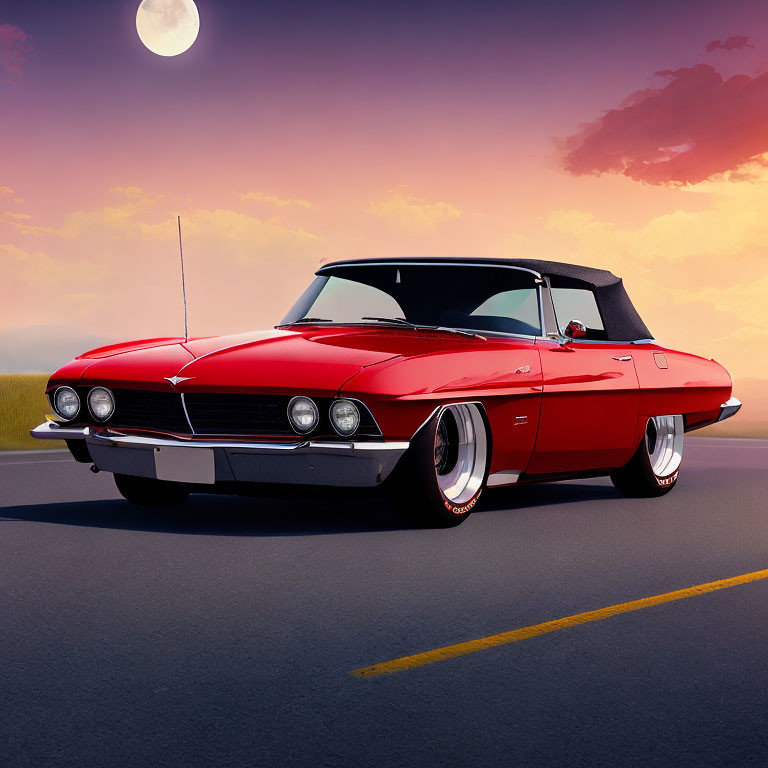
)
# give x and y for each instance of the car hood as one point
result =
(314, 361)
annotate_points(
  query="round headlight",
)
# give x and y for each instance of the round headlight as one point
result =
(303, 414)
(101, 403)
(345, 417)
(66, 403)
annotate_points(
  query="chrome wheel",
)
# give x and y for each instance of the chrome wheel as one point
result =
(461, 451)
(664, 443)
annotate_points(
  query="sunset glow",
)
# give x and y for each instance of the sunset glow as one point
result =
(595, 139)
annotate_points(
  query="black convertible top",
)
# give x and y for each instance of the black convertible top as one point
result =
(620, 318)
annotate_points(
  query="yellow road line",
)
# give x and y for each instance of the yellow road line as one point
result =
(472, 646)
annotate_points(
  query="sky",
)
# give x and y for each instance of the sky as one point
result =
(623, 135)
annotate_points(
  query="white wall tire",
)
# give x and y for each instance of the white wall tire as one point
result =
(655, 466)
(442, 475)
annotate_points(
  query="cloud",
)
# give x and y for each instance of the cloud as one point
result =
(8, 192)
(696, 126)
(114, 270)
(697, 274)
(279, 202)
(413, 212)
(14, 45)
(733, 43)
(732, 230)
(248, 237)
(745, 300)
(40, 268)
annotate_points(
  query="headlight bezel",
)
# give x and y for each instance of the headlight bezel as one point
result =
(315, 410)
(55, 403)
(344, 402)
(90, 407)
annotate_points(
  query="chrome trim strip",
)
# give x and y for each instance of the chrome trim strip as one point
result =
(540, 298)
(457, 262)
(136, 440)
(474, 331)
(603, 341)
(503, 477)
(549, 324)
(360, 446)
(50, 430)
(468, 263)
(729, 408)
(184, 407)
(340, 396)
(243, 447)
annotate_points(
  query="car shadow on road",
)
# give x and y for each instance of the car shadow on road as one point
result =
(303, 514)
(547, 494)
(215, 515)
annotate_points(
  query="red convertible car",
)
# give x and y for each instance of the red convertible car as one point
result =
(431, 377)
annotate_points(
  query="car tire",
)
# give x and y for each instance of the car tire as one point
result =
(439, 480)
(148, 492)
(654, 468)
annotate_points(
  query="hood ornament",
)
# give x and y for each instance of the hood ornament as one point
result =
(177, 379)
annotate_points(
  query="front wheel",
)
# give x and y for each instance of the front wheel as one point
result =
(441, 477)
(148, 492)
(654, 469)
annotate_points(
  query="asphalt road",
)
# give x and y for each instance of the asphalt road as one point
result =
(223, 634)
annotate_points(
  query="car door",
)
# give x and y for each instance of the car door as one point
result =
(590, 395)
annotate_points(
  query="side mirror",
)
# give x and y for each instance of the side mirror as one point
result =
(574, 330)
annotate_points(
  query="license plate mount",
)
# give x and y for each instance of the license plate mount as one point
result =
(185, 465)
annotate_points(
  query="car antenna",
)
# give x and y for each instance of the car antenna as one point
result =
(183, 282)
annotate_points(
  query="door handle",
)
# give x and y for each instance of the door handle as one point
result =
(623, 358)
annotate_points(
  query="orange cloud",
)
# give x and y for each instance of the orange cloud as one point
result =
(8, 192)
(114, 270)
(697, 275)
(413, 212)
(279, 202)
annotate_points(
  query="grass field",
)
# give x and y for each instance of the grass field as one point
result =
(23, 405)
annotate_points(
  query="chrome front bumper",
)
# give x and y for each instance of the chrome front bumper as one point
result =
(350, 464)
(729, 408)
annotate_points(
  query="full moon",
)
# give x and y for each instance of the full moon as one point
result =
(167, 27)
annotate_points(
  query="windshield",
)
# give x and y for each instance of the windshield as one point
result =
(479, 297)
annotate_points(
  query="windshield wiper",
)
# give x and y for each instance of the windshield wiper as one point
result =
(395, 320)
(459, 331)
(309, 320)
(419, 327)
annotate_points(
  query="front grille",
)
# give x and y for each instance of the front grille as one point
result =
(239, 414)
(235, 414)
(215, 413)
(141, 409)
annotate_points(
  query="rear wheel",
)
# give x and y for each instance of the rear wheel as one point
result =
(149, 492)
(443, 474)
(654, 469)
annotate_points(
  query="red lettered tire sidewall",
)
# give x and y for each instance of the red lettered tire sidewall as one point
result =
(418, 491)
